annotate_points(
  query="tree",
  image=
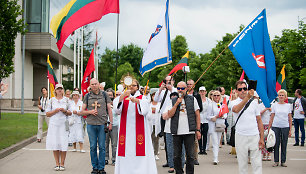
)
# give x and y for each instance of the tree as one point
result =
(10, 25)
(290, 50)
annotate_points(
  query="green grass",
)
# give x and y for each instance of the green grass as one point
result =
(15, 127)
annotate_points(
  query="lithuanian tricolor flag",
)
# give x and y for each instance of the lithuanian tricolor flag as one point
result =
(78, 13)
(51, 77)
(281, 81)
(183, 62)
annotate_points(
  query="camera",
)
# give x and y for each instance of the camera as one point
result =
(42, 110)
(106, 127)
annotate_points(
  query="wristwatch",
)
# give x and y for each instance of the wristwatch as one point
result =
(198, 130)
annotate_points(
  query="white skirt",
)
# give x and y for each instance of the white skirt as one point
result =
(57, 137)
(76, 133)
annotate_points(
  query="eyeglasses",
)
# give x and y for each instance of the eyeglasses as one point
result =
(118, 94)
(216, 95)
(240, 89)
(189, 84)
(178, 88)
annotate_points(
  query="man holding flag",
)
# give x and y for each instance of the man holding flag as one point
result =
(253, 51)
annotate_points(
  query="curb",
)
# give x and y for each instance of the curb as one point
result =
(13, 148)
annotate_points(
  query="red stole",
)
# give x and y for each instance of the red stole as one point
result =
(140, 133)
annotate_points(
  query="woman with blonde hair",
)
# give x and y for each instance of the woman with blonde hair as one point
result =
(57, 136)
(281, 123)
(216, 124)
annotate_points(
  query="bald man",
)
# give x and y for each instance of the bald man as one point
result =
(97, 107)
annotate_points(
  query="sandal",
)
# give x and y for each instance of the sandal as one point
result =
(269, 158)
(275, 165)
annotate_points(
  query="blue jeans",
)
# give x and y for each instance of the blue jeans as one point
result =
(299, 124)
(96, 136)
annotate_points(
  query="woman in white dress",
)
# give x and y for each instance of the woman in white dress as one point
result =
(76, 131)
(214, 119)
(57, 137)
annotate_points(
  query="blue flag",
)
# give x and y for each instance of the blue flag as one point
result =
(158, 51)
(253, 51)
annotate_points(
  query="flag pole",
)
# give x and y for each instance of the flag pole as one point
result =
(145, 92)
(207, 69)
(82, 54)
(74, 60)
(117, 56)
(79, 47)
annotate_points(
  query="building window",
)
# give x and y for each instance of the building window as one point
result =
(38, 15)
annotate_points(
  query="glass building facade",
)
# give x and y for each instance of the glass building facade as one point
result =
(38, 15)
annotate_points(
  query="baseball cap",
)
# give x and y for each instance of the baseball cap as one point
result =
(75, 92)
(202, 88)
(59, 86)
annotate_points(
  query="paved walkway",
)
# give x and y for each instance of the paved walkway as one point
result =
(34, 159)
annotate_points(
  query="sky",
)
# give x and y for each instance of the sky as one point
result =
(201, 22)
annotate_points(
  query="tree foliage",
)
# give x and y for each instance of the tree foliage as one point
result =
(10, 25)
(289, 49)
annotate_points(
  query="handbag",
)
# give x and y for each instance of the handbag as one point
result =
(220, 127)
(270, 139)
(233, 129)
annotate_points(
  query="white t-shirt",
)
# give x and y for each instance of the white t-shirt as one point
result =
(205, 112)
(297, 109)
(247, 123)
(281, 112)
(266, 115)
(183, 125)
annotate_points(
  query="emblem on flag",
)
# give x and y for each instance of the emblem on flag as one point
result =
(260, 60)
(157, 30)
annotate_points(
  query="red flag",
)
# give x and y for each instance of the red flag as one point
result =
(224, 108)
(242, 76)
(87, 75)
(231, 93)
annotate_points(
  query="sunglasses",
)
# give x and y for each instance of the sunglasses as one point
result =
(178, 88)
(240, 89)
(216, 95)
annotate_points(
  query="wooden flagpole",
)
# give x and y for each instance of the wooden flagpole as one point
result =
(207, 69)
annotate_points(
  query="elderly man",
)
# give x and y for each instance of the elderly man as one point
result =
(97, 107)
(185, 123)
(249, 130)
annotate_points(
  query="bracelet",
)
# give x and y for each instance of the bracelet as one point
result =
(198, 130)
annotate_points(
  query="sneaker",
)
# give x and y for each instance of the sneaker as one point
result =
(166, 165)
(156, 157)
(302, 144)
(196, 162)
(74, 150)
(204, 153)
(102, 171)
(296, 144)
(106, 162)
(61, 168)
(82, 151)
(57, 168)
(215, 162)
(275, 164)
(95, 171)
(113, 163)
(283, 165)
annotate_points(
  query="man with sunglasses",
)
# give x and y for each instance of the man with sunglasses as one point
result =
(185, 125)
(249, 130)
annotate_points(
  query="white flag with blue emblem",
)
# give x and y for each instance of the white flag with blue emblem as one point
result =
(158, 51)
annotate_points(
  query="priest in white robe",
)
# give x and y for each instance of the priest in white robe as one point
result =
(135, 153)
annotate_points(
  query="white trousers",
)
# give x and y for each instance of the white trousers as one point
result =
(41, 119)
(243, 145)
(215, 138)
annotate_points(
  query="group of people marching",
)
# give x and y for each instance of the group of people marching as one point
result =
(134, 120)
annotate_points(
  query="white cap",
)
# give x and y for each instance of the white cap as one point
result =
(102, 84)
(202, 88)
(59, 86)
(75, 92)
